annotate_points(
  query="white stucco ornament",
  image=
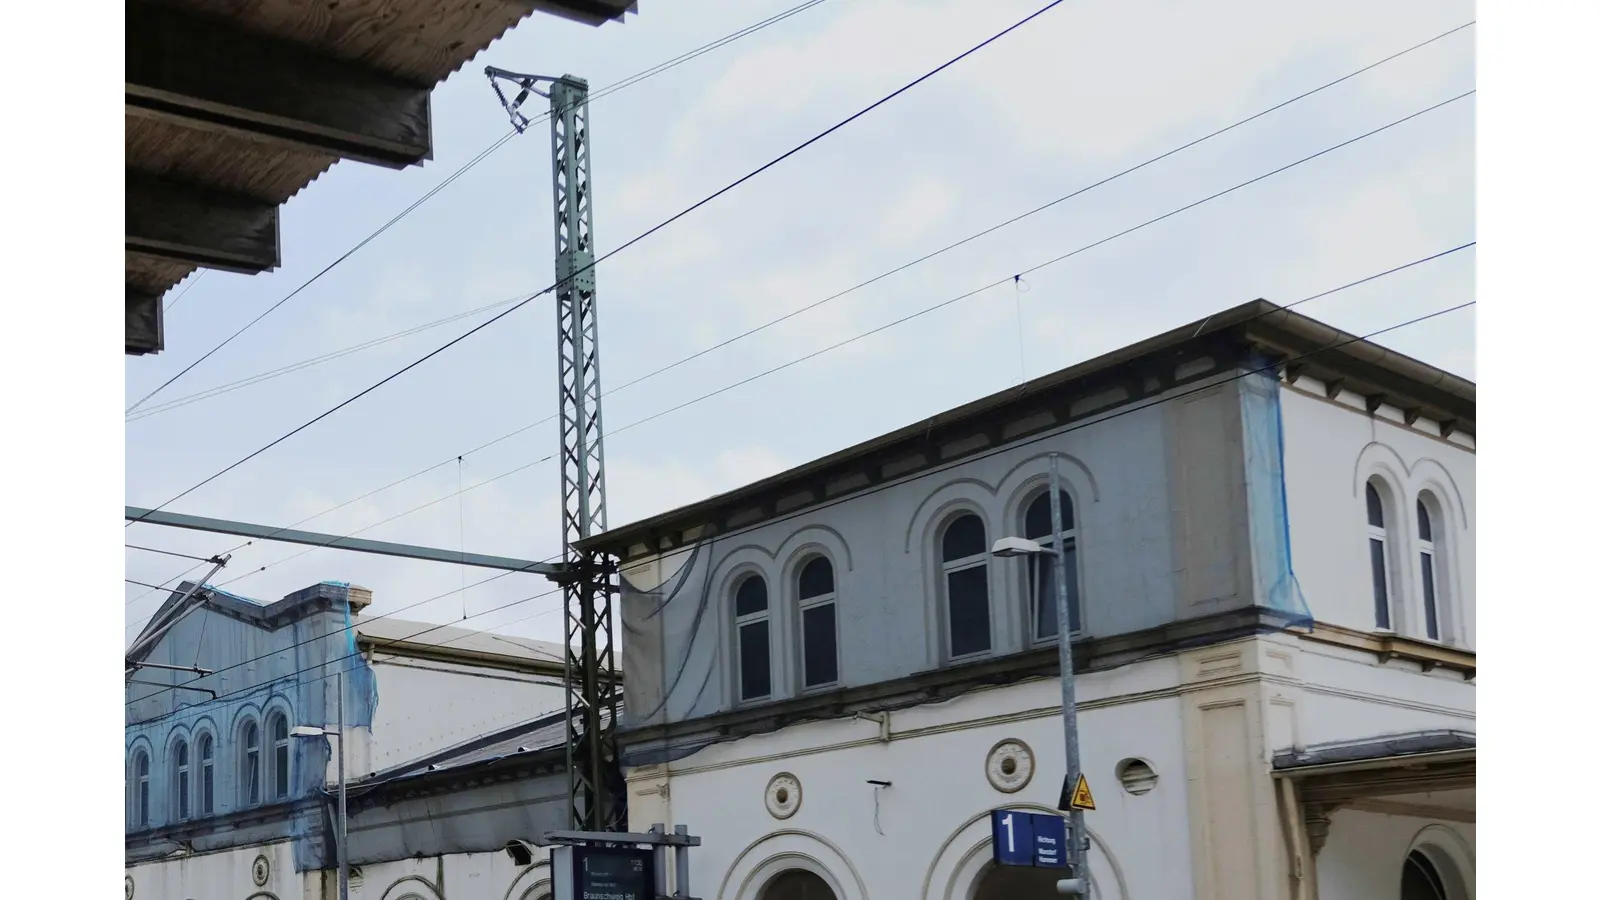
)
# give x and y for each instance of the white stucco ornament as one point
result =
(1009, 766)
(260, 871)
(783, 795)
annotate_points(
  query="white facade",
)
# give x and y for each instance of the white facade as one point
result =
(448, 685)
(1204, 721)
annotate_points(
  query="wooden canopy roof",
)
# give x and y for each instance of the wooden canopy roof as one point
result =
(234, 106)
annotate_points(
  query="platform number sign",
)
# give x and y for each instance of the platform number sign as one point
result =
(603, 873)
(1028, 839)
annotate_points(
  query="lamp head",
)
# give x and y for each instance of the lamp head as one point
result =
(1015, 546)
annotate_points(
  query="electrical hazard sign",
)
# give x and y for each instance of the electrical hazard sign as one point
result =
(1078, 797)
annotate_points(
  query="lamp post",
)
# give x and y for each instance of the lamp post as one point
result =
(1077, 844)
(311, 731)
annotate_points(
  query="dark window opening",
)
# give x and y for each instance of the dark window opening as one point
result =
(820, 641)
(755, 661)
(816, 578)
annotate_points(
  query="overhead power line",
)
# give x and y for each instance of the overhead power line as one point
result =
(1004, 279)
(624, 246)
(231, 386)
(1271, 368)
(431, 192)
(256, 379)
(204, 559)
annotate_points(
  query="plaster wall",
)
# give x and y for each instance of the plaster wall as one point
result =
(427, 706)
(1332, 448)
(928, 833)
(1365, 853)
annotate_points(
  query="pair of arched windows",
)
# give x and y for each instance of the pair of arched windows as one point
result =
(194, 781)
(964, 571)
(254, 783)
(1380, 541)
(817, 608)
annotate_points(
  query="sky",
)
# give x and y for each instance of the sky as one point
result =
(1081, 93)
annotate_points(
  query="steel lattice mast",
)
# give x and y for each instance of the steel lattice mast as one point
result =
(588, 580)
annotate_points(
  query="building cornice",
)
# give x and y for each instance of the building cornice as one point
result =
(945, 682)
(434, 653)
(1387, 646)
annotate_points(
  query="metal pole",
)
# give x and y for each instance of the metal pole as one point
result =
(344, 848)
(1077, 841)
(680, 856)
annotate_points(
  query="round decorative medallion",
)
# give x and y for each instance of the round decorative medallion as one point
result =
(783, 795)
(127, 887)
(260, 871)
(1009, 766)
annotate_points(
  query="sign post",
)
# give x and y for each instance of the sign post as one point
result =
(604, 865)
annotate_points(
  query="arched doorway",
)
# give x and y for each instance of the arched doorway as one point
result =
(1018, 883)
(1420, 879)
(798, 884)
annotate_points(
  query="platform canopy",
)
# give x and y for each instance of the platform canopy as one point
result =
(234, 106)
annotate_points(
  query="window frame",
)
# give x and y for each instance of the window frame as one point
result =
(280, 788)
(246, 799)
(182, 791)
(1032, 584)
(739, 622)
(950, 567)
(1430, 547)
(139, 787)
(205, 767)
(1383, 607)
(804, 604)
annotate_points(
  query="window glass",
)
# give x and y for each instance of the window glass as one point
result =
(820, 645)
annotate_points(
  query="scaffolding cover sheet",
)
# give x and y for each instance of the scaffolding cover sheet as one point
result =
(1276, 586)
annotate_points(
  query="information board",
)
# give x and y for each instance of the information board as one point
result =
(1028, 839)
(603, 873)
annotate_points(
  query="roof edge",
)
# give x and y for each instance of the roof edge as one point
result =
(1259, 324)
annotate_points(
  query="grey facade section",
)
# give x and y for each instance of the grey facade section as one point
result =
(1166, 484)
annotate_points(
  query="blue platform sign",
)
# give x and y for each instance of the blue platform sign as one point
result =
(1028, 839)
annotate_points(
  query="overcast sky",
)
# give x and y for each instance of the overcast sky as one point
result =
(1085, 91)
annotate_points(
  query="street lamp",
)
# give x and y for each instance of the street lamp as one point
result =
(312, 731)
(1008, 547)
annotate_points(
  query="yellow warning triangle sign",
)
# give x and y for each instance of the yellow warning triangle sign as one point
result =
(1081, 798)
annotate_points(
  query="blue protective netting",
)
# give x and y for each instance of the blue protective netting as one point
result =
(291, 670)
(1276, 586)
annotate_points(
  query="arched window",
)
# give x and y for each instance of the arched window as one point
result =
(964, 561)
(752, 622)
(278, 727)
(1420, 880)
(1427, 553)
(819, 634)
(206, 750)
(180, 778)
(141, 789)
(1378, 554)
(250, 763)
(1037, 527)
